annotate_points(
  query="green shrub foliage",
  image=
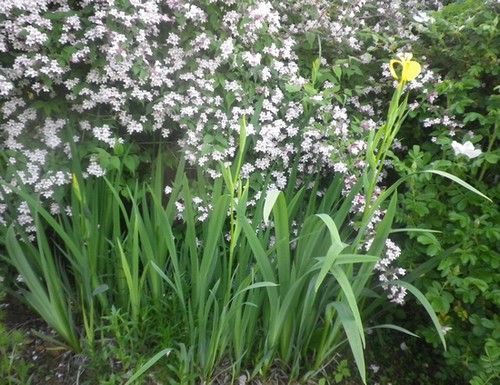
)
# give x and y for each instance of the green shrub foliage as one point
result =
(462, 43)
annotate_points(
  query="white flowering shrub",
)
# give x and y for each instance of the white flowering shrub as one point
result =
(115, 71)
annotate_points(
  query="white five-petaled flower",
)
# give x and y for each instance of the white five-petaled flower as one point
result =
(466, 149)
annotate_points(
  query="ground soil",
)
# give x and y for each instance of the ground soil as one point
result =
(51, 364)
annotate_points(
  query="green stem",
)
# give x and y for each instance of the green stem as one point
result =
(389, 132)
(490, 146)
(236, 182)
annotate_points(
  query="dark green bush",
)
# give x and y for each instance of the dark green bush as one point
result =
(462, 42)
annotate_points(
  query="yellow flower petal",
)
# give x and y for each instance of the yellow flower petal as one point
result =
(411, 70)
(391, 68)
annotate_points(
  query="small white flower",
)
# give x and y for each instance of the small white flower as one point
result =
(423, 18)
(466, 149)
(180, 207)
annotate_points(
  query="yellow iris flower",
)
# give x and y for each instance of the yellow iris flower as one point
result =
(410, 69)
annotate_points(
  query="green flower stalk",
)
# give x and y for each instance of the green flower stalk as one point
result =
(380, 142)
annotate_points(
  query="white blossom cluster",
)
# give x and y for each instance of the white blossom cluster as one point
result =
(387, 266)
(388, 271)
(344, 19)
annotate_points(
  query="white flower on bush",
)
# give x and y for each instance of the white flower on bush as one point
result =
(5, 86)
(253, 59)
(423, 18)
(466, 149)
(94, 168)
